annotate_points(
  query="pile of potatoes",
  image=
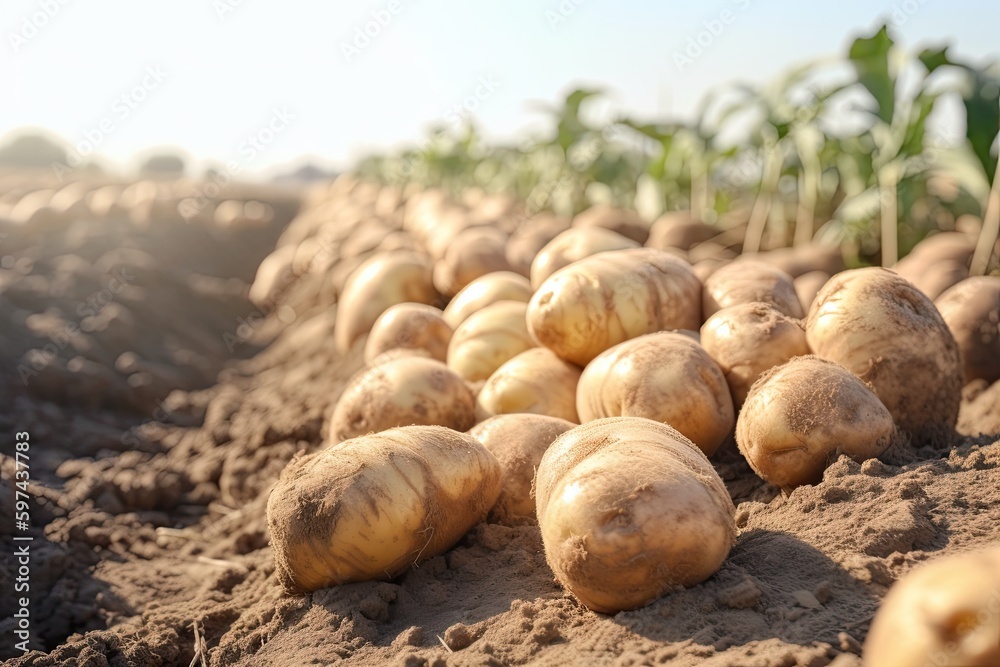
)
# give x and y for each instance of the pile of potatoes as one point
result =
(557, 371)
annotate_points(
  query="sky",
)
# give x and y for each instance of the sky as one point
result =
(265, 83)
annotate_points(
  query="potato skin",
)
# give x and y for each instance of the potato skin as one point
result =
(409, 326)
(488, 339)
(884, 330)
(378, 283)
(403, 391)
(971, 309)
(518, 441)
(529, 239)
(629, 508)
(748, 339)
(802, 414)
(535, 381)
(371, 507)
(484, 291)
(608, 298)
(473, 253)
(946, 612)
(748, 281)
(666, 377)
(623, 221)
(573, 245)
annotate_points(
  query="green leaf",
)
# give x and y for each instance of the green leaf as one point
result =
(934, 58)
(870, 57)
(982, 116)
(916, 128)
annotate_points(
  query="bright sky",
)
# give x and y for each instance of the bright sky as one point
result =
(207, 75)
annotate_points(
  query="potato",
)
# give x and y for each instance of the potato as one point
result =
(518, 441)
(371, 507)
(803, 259)
(885, 331)
(666, 377)
(608, 298)
(749, 281)
(971, 309)
(531, 237)
(535, 381)
(409, 326)
(571, 246)
(486, 290)
(622, 221)
(488, 339)
(748, 339)
(473, 253)
(801, 416)
(677, 229)
(378, 283)
(400, 392)
(808, 285)
(274, 275)
(628, 509)
(946, 612)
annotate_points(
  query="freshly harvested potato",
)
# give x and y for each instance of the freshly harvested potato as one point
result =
(749, 281)
(946, 612)
(677, 229)
(748, 339)
(623, 221)
(573, 245)
(529, 239)
(666, 377)
(938, 262)
(971, 309)
(629, 509)
(488, 339)
(888, 333)
(800, 416)
(473, 253)
(274, 275)
(400, 392)
(608, 298)
(371, 507)
(535, 381)
(800, 260)
(486, 290)
(378, 283)
(518, 441)
(808, 285)
(409, 326)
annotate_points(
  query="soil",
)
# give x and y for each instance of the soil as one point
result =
(150, 539)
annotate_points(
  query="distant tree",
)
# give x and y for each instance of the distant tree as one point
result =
(30, 149)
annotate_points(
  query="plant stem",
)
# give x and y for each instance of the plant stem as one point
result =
(762, 205)
(888, 178)
(990, 230)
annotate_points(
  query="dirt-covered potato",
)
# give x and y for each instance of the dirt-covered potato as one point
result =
(484, 291)
(808, 285)
(666, 377)
(488, 339)
(371, 507)
(622, 221)
(409, 326)
(608, 298)
(629, 509)
(378, 283)
(473, 253)
(971, 309)
(535, 381)
(748, 339)
(518, 441)
(401, 392)
(749, 281)
(888, 333)
(573, 245)
(799, 417)
(529, 239)
(677, 229)
(945, 612)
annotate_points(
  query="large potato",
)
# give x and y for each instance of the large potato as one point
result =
(473, 253)
(488, 339)
(608, 298)
(945, 613)
(800, 416)
(571, 246)
(372, 507)
(749, 281)
(518, 441)
(622, 221)
(486, 290)
(534, 381)
(748, 339)
(400, 392)
(666, 377)
(409, 326)
(629, 509)
(380, 282)
(971, 309)
(885, 331)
